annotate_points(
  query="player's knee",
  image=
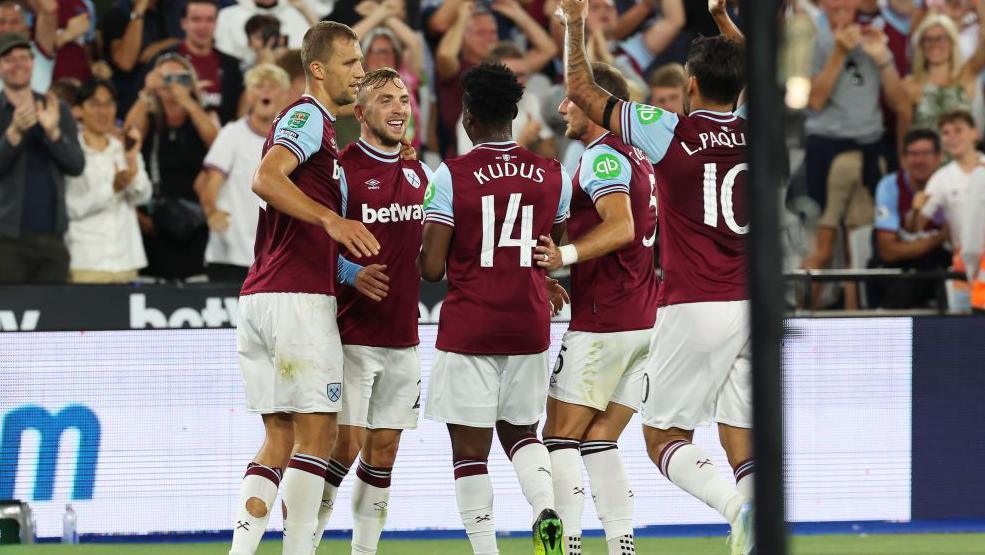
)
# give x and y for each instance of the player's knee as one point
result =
(256, 507)
(382, 451)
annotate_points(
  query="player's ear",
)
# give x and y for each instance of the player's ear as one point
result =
(359, 111)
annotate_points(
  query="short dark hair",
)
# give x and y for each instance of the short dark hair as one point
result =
(491, 93)
(922, 134)
(610, 79)
(319, 41)
(290, 61)
(376, 79)
(89, 88)
(955, 116)
(719, 65)
(212, 3)
(67, 90)
(262, 22)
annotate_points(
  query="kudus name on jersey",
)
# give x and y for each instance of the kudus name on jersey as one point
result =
(508, 169)
(393, 213)
(727, 138)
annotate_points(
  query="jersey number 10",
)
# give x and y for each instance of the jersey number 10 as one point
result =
(526, 241)
(711, 202)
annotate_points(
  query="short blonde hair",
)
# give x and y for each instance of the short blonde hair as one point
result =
(920, 61)
(267, 72)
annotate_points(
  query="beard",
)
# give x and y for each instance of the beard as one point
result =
(384, 135)
(574, 131)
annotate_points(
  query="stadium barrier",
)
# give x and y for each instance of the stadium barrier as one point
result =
(144, 431)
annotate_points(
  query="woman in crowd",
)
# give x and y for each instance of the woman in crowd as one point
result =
(103, 236)
(179, 131)
(939, 82)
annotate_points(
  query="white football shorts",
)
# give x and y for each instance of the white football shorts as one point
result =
(478, 390)
(699, 368)
(382, 387)
(290, 353)
(594, 369)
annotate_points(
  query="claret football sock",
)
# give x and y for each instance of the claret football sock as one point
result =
(690, 468)
(259, 484)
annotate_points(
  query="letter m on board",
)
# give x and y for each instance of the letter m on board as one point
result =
(51, 427)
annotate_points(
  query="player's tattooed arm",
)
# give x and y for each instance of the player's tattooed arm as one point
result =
(581, 86)
(719, 12)
(434, 251)
(272, 184)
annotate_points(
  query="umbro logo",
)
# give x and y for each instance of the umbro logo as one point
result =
(373, 184)
(380, 505)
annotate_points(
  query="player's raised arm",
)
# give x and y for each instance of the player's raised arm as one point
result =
(582, 89)
(272, 184)
(727, 27)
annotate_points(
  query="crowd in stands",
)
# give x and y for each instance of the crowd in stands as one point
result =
(131, 128)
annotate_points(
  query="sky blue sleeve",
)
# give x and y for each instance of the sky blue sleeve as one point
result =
(564, 206)
(300, 131)
(635, 47)
(438, 198)
(742, 111)
(648, 128)
(604, 170)
(347, 271)
(887, 204)
(343, 190)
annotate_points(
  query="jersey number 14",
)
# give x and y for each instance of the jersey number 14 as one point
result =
(526, 240)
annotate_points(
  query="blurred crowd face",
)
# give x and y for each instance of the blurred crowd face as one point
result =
(481, 36)
(602, 15)
(16, 68)
(98, 113)
(266, 99)
(199, 25)
(840, 12)
(921, 160)
(12, 20)
(167, 70)
(575, 118)
(668, 98)
(343, 72)
(936, 45)
(386, 112)
(381, 53)
(958, 138)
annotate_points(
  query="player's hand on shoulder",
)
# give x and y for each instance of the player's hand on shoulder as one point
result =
(372, 282)
(352, 235)
(547, 254)
(407, 152)
(557, 296)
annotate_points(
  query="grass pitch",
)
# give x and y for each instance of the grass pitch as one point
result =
(896, 544)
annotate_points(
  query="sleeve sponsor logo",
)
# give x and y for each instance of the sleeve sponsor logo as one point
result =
(648, 114)
(287, 133)
(606, 166)
(429, 194)
(298, 119)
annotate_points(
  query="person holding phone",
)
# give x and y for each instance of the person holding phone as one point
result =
(178, 132)
(103, 236)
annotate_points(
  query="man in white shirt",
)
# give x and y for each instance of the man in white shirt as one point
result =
(223, 187)
(947, 199)
(230, 32)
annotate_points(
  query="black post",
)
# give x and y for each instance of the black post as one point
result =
(766, 136)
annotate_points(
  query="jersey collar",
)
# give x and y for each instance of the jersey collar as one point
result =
(501, 146)
(318, 103)
(597, 140)
(720, 117)
(377, 154)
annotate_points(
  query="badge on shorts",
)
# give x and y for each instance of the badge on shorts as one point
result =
(334, 391)
(298, 119)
